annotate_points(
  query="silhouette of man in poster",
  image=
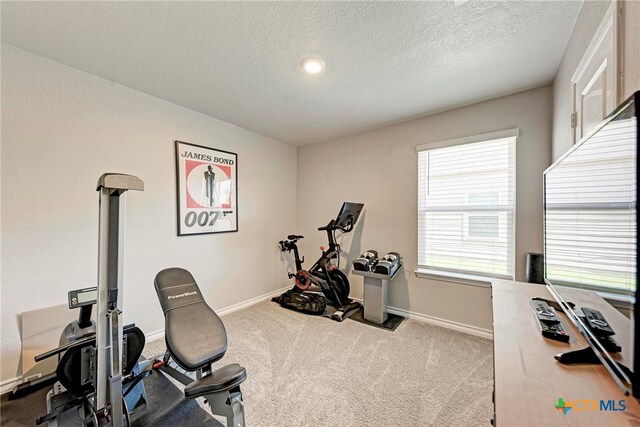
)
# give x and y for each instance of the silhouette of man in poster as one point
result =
(209, 179)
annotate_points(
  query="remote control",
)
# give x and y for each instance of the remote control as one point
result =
(549, 322)
(597, 322)
(545, 313)
(554, 332)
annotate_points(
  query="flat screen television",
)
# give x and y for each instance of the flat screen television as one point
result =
(590, 229)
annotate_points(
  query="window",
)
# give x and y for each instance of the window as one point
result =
(466, 205)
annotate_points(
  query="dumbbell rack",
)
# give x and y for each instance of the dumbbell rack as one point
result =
(375, 294)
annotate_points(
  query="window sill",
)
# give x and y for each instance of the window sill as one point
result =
(462, 279)
(617, 300)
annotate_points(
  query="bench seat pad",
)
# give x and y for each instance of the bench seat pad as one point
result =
(218, 381)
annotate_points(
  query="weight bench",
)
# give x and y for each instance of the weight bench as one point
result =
(196, 338)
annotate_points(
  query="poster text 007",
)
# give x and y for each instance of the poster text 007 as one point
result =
(204, 218)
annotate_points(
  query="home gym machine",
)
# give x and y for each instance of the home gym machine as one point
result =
(324, 274)
(98, 368)
(196, 338)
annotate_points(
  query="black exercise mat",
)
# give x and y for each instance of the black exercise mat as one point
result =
(392, 322)
(166, 407)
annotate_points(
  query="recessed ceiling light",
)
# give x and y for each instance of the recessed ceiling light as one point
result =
(313, 65)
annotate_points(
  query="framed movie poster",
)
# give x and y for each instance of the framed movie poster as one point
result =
(207, 190)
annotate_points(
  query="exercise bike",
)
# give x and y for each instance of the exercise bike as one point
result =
(324, 274)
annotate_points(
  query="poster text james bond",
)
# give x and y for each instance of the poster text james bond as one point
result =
(207, 190)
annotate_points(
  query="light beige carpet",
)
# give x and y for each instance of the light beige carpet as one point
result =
(311, 371)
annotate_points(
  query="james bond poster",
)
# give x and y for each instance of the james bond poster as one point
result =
(207, 190)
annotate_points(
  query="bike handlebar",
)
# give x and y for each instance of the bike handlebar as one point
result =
(328, 226)
(332, 226)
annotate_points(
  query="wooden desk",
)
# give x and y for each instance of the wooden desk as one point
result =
(527, 379)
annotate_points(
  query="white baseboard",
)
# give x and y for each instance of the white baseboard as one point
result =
(449, 324)
(444, 323)
(154, 335)
(7, 386)
(250, 302)
(227, 310)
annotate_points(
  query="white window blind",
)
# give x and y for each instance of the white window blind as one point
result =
(590, 212)
(466, 200)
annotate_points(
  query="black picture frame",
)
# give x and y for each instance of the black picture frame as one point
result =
(205, 205)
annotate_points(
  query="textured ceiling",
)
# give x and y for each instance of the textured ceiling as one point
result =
(386, 62)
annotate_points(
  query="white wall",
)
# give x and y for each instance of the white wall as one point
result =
(61, 129)
(379, 168)
(587, 22)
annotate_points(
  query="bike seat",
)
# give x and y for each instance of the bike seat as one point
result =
(218, 381)
(294, 237)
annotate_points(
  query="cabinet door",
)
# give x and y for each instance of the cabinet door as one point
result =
(595, 82)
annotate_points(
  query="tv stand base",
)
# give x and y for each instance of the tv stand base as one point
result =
(584, 355)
